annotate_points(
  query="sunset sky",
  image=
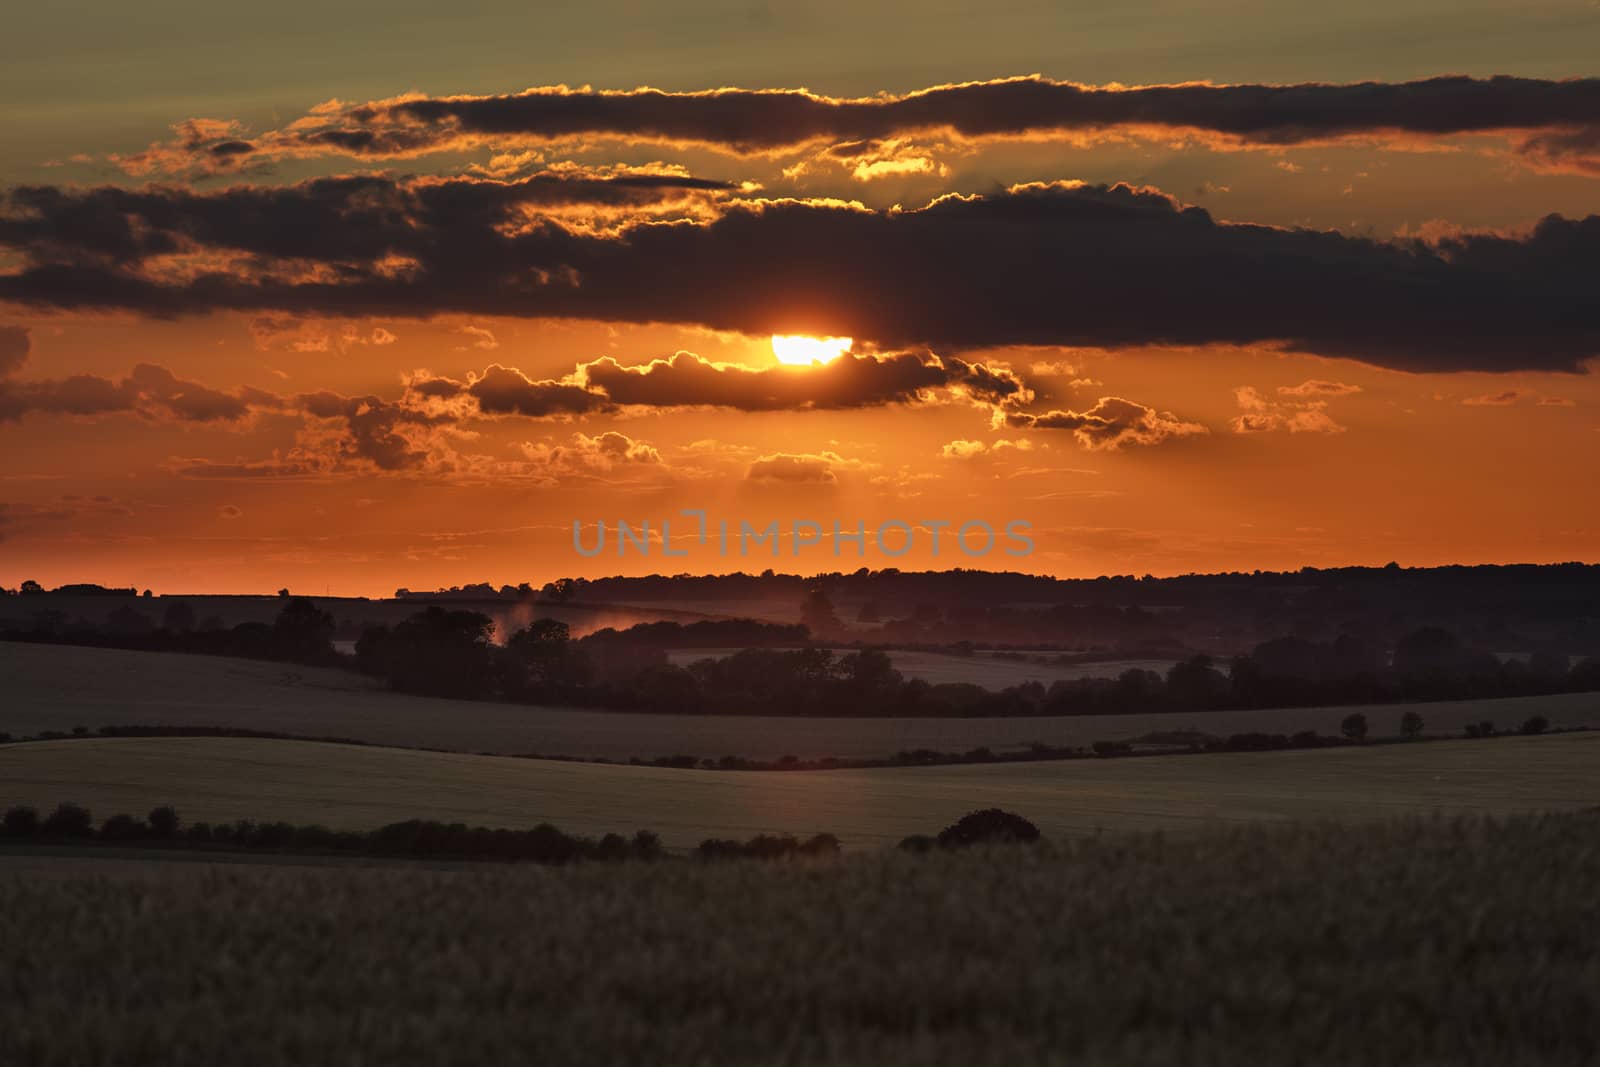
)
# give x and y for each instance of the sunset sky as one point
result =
(390, 297)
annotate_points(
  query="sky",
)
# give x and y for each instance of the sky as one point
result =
(353, 297)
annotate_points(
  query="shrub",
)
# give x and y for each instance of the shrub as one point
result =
(1480, 729)
(918, 843)
(991, 826)
(820, 845)
(1410, 725)
(646, 845)
(20, 821)
(163, 822)
(1536, 725)
(1354, 727)
(69, 820)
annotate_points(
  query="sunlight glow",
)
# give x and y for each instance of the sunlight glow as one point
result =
(798, 350)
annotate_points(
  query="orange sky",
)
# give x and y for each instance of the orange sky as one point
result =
(249, 462)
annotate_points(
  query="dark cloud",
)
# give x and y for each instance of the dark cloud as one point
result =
(1038, 264)
(354, 219)
(149, 390)
(850, 381)
(507, 391)
(1111, 424)
(751, 121)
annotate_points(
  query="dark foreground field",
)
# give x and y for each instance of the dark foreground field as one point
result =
(1437, 942)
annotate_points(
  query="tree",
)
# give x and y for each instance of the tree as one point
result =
(541, 660)
(163, 821)
(20, 821)
(69, 820)
(1354, 727)
(991, 826)
(442, 653)
(1538, 724)
(1410, 725)
(817, 614)
(303, 632)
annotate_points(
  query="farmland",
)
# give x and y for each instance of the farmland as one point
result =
(352, 787)
(1460, 942)
(55, 687)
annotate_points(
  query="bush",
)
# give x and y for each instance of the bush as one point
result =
(991, 826)
(69, 820)
(163, 822)
(1354, 727)
(647, 845)
(1410, 725)
(918, 843)
(20, 821)
(1536, 725)
(1480, 729)
(820, 845)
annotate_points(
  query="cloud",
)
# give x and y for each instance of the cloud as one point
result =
(963, 272)
(973, 449)
(1296, 415)
(1318, 387)
(148, 390)
(854, 380)
(1561, 116)
(481, 337)
(1111, 424)
(1503, 398)
(583, 457)
(798, 468)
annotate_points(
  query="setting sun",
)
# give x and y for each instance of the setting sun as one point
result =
(798, 350)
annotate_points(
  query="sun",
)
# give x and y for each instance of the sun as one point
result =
(798, 350)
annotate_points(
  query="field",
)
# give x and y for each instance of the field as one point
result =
(1436, 942)
(52, 687)
(977, 669)
(360, 788)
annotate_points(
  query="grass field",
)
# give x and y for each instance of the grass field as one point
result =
(1417, 942)
(360, 788)
(57, 687)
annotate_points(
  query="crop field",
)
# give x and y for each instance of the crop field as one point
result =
(359, 788)
(1410, 941)
(977, 669)
(54, 687)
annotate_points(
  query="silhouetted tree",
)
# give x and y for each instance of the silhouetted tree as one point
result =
(442, 653)
(303, 632)
(1354, 727)
(818, 616)
(163, 822)
(1538, 724)
(69, 820)
(1410, 725)
(990, 826)
(541, 661)
(20, 821)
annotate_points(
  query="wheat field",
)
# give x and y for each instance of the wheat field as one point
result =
(361, 787)
(1455, 942)
(57, 688)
